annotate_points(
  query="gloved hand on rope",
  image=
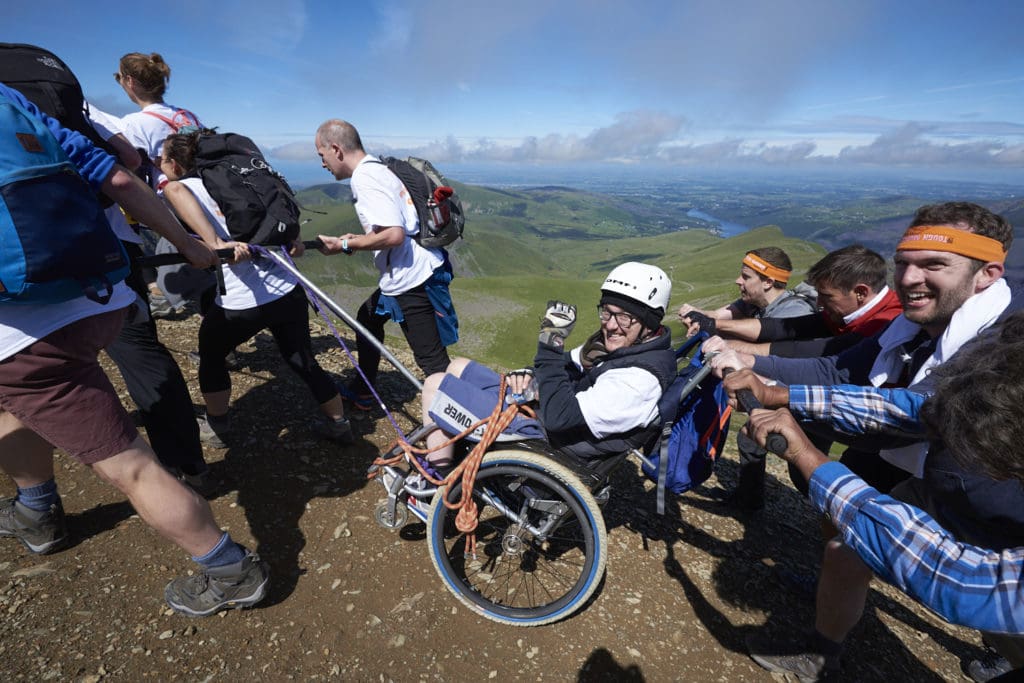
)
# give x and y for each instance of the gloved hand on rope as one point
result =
(522, 386)
(557, 324)
(698, 322)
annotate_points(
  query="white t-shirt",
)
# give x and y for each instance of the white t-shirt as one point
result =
(247, 284)
(108, 126)
(619, 401)
(22, 326)
(382, 200)
(149, 132)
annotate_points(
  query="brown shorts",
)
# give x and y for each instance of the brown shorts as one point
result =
(57, 388)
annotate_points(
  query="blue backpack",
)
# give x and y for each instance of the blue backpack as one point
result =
(695, 416)
(55, 242)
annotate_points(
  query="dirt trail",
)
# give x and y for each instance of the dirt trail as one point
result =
(353, 601)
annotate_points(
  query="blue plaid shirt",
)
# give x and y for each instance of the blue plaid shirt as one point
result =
(966, 585)
(857, 410)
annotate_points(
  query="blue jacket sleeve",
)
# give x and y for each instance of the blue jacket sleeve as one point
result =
(92, 163)
(852, 366)
(559, 411)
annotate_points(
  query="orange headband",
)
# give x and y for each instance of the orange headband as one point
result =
(945, 238)
(766, 269)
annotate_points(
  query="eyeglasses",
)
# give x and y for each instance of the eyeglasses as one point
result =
(120, 77)
(622, 319)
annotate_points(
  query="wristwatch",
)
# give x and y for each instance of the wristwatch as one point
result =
(344, 247)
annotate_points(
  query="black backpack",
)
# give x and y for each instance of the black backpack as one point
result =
(442, 219)
(48, 83)
(258, 205)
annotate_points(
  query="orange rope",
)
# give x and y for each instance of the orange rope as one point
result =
(496, 423)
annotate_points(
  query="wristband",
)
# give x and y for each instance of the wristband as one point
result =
(344, 247)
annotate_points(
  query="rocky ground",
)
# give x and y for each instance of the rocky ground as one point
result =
(353, 601)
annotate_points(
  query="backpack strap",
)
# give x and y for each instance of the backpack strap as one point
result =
(185, 114)
(666, 436)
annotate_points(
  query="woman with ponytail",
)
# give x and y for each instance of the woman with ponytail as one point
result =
(258, 294)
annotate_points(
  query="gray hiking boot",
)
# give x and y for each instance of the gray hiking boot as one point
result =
(40, 532)
(988, 667)
(233, 586)
(339, 431)
(160, 307)
(213, 430)
(796, 659)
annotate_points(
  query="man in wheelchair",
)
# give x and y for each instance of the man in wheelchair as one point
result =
(595, 401)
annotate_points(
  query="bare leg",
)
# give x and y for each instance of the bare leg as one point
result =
(842, 591)
(333, 409)
(24, 455)
(442, 456)
(174, 510)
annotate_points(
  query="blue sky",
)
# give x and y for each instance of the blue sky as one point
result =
(785, 83)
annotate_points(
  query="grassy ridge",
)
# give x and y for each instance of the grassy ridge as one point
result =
(499, 313)
(523, 248)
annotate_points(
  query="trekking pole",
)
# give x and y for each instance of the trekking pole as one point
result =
(341, 313)
(776, 443)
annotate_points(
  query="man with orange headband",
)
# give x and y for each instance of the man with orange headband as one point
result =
(763, 278)
(949, 268)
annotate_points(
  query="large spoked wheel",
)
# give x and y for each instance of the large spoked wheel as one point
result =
(541, 544)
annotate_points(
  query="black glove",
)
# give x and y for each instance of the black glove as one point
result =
(557, 324)
(704, 323)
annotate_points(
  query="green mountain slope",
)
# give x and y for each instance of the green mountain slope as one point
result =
(508, 267)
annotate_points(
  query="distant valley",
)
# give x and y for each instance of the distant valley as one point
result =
(526, 244)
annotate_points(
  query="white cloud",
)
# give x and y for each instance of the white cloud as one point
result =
(654, 137)
(295, 151)
(909, 146)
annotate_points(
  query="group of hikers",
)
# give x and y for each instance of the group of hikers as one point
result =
(920, 379)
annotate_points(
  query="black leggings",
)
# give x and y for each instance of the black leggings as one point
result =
(155, 383)
(420, 328)
(287, 319)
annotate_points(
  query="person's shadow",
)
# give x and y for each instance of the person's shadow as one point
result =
(278, 465)
(785, 532)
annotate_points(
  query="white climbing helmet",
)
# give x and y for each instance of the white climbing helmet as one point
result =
(645, 284)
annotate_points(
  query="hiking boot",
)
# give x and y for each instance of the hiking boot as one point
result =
(988, 667)
(160, 307)
(416, 483)
(339, 431)
(212, 430)
(40, 532)
(233, 586)
(796, 659)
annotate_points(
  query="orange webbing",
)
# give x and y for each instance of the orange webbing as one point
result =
(496, 423)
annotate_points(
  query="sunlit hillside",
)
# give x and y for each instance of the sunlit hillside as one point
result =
(523, 248)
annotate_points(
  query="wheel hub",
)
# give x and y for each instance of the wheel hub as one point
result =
(512, 543)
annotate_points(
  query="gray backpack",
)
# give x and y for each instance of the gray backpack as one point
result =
(440, 210)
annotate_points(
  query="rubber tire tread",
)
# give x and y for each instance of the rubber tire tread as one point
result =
(566, 478)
